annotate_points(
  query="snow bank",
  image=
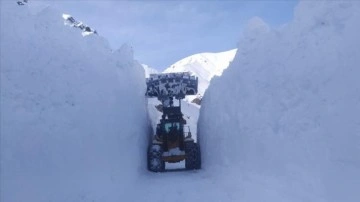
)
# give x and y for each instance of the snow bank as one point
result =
(283, 121)
(73, 113)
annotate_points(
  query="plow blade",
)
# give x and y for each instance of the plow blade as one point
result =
(166, 85)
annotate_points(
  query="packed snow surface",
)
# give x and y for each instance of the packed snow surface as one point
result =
(280, 124)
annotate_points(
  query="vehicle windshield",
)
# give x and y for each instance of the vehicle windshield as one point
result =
(169, 125)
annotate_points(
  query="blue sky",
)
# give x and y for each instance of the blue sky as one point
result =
(163, 32)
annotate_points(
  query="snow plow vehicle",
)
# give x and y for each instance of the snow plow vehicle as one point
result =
(171, 143)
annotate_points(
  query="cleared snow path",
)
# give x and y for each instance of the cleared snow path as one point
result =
(181, 186)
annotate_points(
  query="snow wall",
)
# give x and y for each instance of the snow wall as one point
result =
(283, 121)
(73, 113)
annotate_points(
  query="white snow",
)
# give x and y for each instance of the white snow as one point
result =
(73, 113)
(203, 65)
(282, 123)
(66, 16)
(149, 70)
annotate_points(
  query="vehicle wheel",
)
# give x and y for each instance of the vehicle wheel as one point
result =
(154, 159)
(193, 156)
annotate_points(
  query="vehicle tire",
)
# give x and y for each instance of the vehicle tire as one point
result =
(193, 156)
(154, 159)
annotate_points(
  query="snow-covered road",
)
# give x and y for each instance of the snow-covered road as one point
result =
(182, 186)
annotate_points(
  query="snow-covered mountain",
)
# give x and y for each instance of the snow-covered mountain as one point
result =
(204, 65)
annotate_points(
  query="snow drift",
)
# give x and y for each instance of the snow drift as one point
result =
(73, 113)
(287, 127)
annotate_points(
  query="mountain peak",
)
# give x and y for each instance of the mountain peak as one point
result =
(203, 65)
